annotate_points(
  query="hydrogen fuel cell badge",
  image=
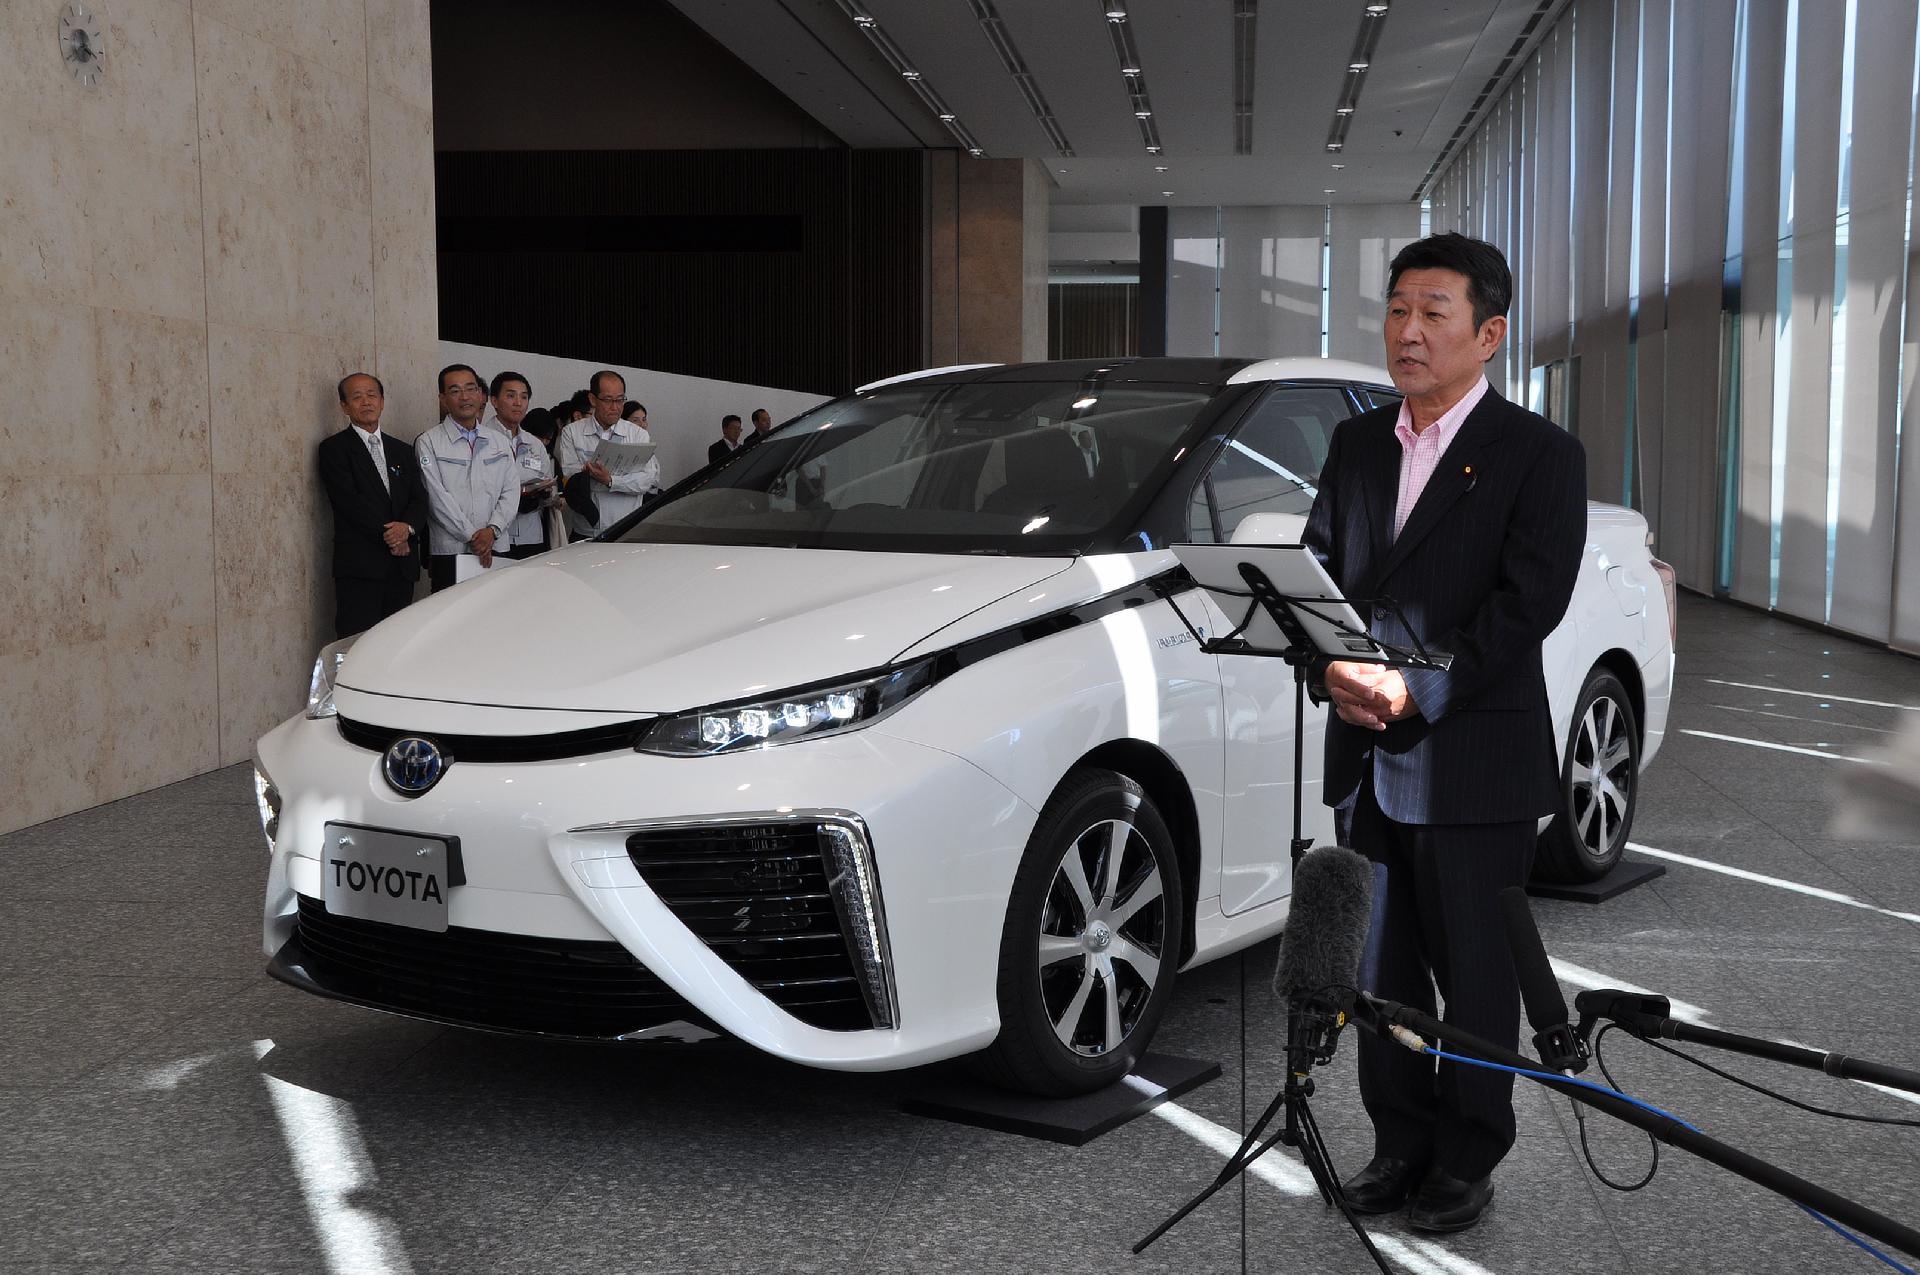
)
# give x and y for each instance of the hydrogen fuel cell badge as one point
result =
(381, 874)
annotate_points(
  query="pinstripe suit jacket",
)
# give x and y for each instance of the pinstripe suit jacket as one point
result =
(1483, 569)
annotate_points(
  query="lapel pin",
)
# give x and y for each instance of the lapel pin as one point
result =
(1471, 480)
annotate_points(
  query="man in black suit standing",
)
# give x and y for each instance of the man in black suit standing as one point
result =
(762, 426)
(379, 510)
(1469, 512)
(729, 441)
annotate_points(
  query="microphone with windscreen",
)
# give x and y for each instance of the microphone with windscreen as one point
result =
(1320, 952)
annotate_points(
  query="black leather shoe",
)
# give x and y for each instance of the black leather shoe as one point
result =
(1383, 1186)
(1446, 1203)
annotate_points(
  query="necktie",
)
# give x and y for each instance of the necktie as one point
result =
(379, 455)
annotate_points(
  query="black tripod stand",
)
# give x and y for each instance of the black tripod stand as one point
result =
(1312, 1031)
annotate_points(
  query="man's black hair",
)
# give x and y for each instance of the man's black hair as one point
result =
(1489, 281)
(593, 382)
(441, 383)
(582, 402)
(630, 406)
(342, 387)
(729, 419)
(541, 423)
(493, 390)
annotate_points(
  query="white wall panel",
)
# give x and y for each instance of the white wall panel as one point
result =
(1803, 530)
(1270, 280)
(1365, 239)
(1759, 274)
(1192, 279)
(1876, 275)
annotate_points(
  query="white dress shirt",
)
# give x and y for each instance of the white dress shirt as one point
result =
(471, 481)
(576, 447)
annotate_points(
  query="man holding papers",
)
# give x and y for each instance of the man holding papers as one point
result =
(615, 455)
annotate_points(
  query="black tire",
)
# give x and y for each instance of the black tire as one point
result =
(1589, 834)
(1045, 1045)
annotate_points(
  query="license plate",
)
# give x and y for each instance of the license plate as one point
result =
(400, 878)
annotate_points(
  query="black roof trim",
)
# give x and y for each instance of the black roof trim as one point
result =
(1159, 371)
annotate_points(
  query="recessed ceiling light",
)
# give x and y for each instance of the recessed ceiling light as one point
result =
(1167, 193)
(975, 151)
(1143, 115)
(1116, 15)
(1129, 70)
(1356, 66)
(1343, 110)
(1339, 165)
(863, 19)
(1333, 146)
(1062, 171)
(1375, 10)
(910, 75)
(1153, 150)
(1327, 190)
(1159, 168)
(946, 118)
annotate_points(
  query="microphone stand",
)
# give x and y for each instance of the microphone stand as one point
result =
(1311, 1042)
(1646, 1015)
(1298, 1129)
(1381, 1014)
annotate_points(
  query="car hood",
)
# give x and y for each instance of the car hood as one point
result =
(652, 628)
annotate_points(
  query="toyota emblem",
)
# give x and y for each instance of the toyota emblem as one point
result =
(413, 765)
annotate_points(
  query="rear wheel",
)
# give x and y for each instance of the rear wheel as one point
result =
(1094, 930)
(1599, 783)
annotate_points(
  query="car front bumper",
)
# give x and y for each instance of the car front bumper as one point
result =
(545, 851)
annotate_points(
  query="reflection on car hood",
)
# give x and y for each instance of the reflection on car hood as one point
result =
(652, 628)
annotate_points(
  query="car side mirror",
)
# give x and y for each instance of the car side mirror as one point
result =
(1270, 529)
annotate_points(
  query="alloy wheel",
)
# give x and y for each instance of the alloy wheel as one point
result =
(1601, 771)
(1102, 937)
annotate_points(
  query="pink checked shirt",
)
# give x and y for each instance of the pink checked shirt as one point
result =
(1420, 453)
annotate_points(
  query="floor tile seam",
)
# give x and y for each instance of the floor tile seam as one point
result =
(1596, 1192)
(887, 1210)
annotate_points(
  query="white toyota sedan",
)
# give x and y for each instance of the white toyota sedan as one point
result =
(881, 742)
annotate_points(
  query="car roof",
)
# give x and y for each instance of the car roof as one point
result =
(1162, 371)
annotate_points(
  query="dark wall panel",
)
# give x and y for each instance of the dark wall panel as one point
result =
(800, 269)
(1093, 320)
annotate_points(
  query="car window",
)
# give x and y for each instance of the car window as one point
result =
(1384, 398)
(1007, 466)
(1270, 462)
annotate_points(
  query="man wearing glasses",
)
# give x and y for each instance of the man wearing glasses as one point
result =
(614, 495)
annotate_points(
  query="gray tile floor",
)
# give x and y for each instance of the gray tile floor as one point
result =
(164, 1106)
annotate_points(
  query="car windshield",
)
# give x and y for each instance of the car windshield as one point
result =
(995, 466)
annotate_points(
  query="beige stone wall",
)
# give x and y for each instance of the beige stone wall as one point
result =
(987, 259)
(191, 253)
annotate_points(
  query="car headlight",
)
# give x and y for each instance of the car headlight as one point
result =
(267, 798)
(326, 668)
(798, 714)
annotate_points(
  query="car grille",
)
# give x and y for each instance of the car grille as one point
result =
(757, 895)
(510, 982)
(503, 748)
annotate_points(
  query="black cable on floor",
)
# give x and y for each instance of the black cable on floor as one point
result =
(1704, 1065)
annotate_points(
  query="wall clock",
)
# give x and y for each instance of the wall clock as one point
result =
(83, 46)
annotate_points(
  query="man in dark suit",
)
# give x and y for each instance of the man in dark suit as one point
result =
(729, 441)
(1470, 513)
(762, 426)
(379, 510)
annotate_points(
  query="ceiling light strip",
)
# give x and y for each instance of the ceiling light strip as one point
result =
(1246, 15)
(1132, 74)
(1366, 41)
(897, 59)
(1002, 41)
(1530, 35)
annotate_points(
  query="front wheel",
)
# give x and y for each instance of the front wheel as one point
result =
(1094, 930)
(1599, 781)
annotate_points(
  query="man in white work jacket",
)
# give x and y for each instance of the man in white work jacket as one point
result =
(472, 482)
(511, 396)
(614, 495)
